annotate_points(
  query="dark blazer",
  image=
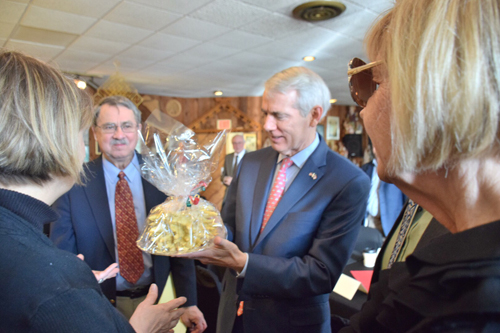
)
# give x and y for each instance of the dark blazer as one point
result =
(85, 227)
(228, 166)
(391, 200)
(295, 262)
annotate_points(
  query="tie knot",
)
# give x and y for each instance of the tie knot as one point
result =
(285, 164)
(121, 175)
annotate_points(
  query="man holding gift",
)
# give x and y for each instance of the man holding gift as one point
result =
(103, 218)
(292, 214)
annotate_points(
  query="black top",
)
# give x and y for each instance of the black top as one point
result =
(451, 284)
(45, 289)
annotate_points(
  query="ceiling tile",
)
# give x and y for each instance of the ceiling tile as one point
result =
(43, 36)
(274, 5)
(74, 66)
(212, 52)
(145, 54)
(91, 8)
(98, 45)
(43, 52)
(49, 19)
(283, 50)
(83, 56)
(240, 40)
(194, 29)
(141, 16)
(230, 13)
(11, 11)
(275, 26)
(6, 29)
(171, 43)
(176, 6)
(353, 22)
(186, 60)
(118, 32)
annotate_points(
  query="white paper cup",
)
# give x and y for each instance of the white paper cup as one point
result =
(369, 257)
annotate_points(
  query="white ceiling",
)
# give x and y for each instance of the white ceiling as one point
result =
(188, 48)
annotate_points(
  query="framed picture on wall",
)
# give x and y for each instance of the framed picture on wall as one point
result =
(332, 128)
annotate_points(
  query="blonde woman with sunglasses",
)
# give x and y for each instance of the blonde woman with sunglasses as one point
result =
(431, 99)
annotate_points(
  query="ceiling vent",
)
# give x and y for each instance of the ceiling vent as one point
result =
(314, 11)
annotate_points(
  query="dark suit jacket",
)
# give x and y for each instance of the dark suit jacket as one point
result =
(294, 264)
(391, 200)
(85, 227)
(228, 166)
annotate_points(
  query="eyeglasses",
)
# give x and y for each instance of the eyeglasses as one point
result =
(111, 128)
(361, 81)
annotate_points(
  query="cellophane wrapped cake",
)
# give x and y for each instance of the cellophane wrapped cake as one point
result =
(178, 164)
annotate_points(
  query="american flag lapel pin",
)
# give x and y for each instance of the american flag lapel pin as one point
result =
(313, 175)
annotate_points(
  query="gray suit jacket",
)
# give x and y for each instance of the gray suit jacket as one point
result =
(294, 264)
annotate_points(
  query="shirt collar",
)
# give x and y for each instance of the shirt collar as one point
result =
(112, 171)
(301, 157)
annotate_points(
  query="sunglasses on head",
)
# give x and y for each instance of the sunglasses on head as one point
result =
(361, 81)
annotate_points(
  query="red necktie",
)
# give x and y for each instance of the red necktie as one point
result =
(272, 202)
(276, 191)
(129, 255)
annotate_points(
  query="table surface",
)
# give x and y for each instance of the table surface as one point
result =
(340, 305)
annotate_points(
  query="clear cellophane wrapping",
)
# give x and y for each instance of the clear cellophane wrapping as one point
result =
(180, 166)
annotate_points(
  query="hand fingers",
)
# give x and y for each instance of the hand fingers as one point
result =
(80, 256)
(174, 304)
(152, 295)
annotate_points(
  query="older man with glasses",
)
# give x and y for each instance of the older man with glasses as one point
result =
(103, 218)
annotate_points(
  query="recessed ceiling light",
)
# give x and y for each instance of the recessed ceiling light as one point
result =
(309, 58)
(81, 84)
(218, 93)
(333, 100)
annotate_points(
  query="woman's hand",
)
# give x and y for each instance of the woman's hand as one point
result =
(108, 273)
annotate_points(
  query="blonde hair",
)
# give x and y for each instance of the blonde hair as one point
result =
(41, 115)
(443, 63)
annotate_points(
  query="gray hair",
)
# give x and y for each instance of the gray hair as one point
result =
(115, 101)
(311, 89)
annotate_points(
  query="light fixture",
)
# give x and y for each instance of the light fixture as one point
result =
(333, 101)
(314, 11)
(218, 93)
(81, 84)
(309, 58)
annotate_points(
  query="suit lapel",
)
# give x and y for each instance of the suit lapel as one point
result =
(262, 188)
(95, 190)
(300, 186)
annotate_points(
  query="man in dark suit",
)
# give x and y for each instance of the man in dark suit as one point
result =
(88, 224)
(384, 202)
(232, 160)
(285, 254)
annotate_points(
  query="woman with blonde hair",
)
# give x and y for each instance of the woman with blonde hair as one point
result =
(431, 100)
(43, 116)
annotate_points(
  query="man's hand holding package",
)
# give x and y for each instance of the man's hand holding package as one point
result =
(224, 253)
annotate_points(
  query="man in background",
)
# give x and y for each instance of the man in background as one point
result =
(102, 219)
(232, 160)
(292, 214)
(384, 202)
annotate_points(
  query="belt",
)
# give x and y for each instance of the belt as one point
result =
(133, 293)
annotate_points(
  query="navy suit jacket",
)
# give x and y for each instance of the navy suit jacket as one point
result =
(85, 227)
(295, 262)
(391, 200)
